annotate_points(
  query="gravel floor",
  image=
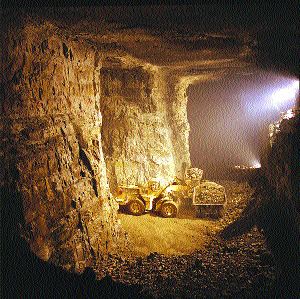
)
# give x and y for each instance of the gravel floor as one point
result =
(169, 236)
(240, 268)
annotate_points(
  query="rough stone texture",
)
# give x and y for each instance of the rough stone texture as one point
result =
(136, 134)
(80, 112)
(176, 105)
(283, 160)
(51, 125)
(145, 127)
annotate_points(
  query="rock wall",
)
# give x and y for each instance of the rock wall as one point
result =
(74, 120)
(78, 118)
(51, 144)
(137, 123)
(283, 160)
(177, 118)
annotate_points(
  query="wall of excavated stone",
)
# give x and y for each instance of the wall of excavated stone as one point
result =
(72, 120)
(176, 103)
(51, 144)
(138, 141)
(145, 126)
(283, 161)
(176, 100)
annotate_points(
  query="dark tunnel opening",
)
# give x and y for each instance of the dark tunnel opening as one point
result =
(229, 119)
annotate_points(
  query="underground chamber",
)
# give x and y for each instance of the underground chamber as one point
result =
(82, 114)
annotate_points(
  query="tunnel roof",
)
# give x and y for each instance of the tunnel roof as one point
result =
(176, 35)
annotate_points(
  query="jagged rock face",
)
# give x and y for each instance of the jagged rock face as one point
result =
(137, 125)
(52, 145)
(80, 114)
(60, 93)
(282, 163)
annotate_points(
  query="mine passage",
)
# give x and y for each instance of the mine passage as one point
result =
(227, 138)
(229, 118)
(108, 106)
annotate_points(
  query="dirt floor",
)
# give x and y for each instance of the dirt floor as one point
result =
(184, 234)
(151, 233)
(187, 258)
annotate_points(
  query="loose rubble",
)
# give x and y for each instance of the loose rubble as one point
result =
(240, 267)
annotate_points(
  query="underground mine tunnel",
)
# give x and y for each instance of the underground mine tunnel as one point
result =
(95, 98)
(235, 131)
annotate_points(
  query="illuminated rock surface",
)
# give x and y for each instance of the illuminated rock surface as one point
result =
(52, 127)
(282, 165)
(87, 106)
(81, 111)
(137, 140)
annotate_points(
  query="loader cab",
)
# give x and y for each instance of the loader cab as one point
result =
(154, 185)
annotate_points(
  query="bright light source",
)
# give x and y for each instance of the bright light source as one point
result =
(289, 114)
(284, 96)
(256, 164)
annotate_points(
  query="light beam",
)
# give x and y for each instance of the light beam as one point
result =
(285, 96)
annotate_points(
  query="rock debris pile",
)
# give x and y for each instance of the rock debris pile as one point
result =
(240, 267)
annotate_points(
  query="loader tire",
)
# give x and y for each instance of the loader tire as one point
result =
(136, 207)
(168, 210)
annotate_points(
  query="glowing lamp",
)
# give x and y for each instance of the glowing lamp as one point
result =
(285, 95)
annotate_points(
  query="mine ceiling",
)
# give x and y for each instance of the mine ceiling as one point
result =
(180, 35)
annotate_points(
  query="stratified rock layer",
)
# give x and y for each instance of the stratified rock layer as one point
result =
(52, 136)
